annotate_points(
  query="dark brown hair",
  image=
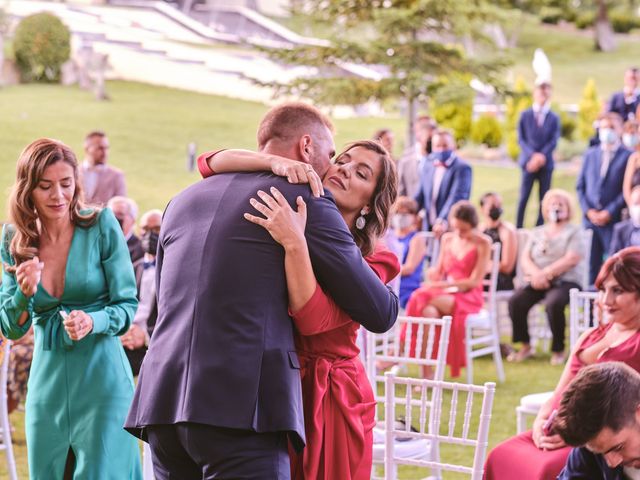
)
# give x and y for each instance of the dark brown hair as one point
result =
(406, 203)
(625, 268)
(32, 163)
(94, 133)
(604, 395)
(384, 195)
(290, 120)
(464, 211)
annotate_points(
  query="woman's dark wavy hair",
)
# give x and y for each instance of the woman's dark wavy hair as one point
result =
(383, 198)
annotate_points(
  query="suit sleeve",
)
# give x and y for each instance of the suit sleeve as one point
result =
(581, 465)
(121, 186)
(341, 270)
(617, 203)
(321, 313)
(460, 190)
(526, 150)
(12, 301)
(616, 239)
(557, 131)
(117, 315)
(581, 185)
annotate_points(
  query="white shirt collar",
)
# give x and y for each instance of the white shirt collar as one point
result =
(544, 109)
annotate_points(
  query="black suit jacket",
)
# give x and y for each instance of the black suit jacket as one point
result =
(222, 352)
(583, 464)
(618, 104)
(135, 248)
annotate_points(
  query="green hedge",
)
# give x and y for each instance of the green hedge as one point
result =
(486, 130)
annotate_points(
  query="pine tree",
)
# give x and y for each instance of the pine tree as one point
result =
(588, 110)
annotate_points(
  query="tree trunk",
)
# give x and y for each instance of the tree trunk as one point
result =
(1, 59)
(412, 110)
(604, 35)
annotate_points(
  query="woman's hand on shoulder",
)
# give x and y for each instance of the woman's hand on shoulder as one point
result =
(297, 172)
(285, 225)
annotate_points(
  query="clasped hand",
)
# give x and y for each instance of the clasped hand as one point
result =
(297, 172)
(284, 224)
(78, 325)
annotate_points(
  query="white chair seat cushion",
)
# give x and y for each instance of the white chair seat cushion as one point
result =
(409, 448)
(482, 319)
(535, 400)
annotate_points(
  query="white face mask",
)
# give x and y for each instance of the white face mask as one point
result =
(556, 214)
(400, 221)
(634, 213)
(630, 140)
(608, 136)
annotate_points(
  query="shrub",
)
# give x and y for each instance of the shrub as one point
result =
(551, 15)
(623, 21)
(486, 130)
(41, 45)
(568, 124)
(585, 20)
(455, 116)
(588, 110)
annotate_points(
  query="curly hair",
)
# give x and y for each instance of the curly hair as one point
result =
(32, 163)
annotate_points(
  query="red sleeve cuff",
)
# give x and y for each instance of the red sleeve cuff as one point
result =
(307, 311)
(203, 163)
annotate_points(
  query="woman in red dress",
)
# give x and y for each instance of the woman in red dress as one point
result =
(454, 285)
(339, 406)
(539, 454)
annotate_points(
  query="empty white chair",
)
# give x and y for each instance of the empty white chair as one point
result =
(5, 426)
(482, 336)
(582, 316)
(435, 421)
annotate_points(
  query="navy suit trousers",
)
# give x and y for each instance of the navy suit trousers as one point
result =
(599, 248)
(543, 176)
(192, 451)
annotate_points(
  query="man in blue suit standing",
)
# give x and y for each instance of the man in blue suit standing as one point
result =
(445, 179)
(626, 102)
(627, 233)
(219, 392)
(538, 134)
(599, 188)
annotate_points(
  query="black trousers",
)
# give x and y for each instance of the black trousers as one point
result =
(192, 451)
(555, 300)
(543, 177)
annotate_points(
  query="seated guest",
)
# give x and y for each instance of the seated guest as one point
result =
(136, 340)
(631, 141)
(551, 262)
(405, 222)
(454, 285)
(126, 212)
(384, 137)
(627, 233)
(599, 188)
(502, 232)
(540, 454)
(20, 357)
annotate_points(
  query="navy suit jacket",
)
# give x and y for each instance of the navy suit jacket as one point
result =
(222, 352)
(621, 237)
(602, 193)
(456, 185)
(585, 465)
(617, 104)
(532, 138)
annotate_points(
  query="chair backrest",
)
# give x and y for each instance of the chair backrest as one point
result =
(443, 416)
(523, 238)
(492, 281)
(588, 239)
(583, 314)
(433, 247)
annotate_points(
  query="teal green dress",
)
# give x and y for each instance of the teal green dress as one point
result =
(79, 393)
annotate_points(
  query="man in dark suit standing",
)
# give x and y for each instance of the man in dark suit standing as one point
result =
(599, 188)
(538, 134)
(414, 156)
(445, 179)
(627, 233)
(219, 393)
(626, 102)
(136, 340)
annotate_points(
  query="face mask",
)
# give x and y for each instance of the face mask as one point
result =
(608, 136)
(442, 156)
(630, 140)
(400, 221)
(634, 213)
(556, 215)
(150, 242)
(121, 222)
(495, 213)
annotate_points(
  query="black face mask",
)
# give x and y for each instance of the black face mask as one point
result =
(495, 213)
(150, 242)
(121, 222)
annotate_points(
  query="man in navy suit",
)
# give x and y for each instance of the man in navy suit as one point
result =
(600, 413)
(627, 233)
(538, 134)
(445, 179)
(626, 102)
(599, 188)
(219, 392)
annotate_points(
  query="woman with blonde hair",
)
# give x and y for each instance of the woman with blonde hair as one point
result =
(552, 265)
(67, 272)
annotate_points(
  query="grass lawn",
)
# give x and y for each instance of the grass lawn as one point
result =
(149, 129)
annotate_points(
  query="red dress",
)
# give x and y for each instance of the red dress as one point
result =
(339, 406)
(518, 457)
(465, 303)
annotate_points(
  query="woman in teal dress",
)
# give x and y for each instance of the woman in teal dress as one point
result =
(66, 270)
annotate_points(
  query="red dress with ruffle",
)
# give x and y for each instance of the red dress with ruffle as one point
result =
(465, 303)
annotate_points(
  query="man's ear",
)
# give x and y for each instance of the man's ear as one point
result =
(304, 148)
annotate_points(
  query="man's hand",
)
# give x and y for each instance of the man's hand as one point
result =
(439, 228)
(604, 217)
(134, 338)
(536, 162)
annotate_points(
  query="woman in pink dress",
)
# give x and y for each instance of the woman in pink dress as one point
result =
(339, 406)
(539, 454)
(454, 285)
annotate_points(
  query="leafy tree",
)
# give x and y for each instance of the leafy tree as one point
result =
(413, 47)
(588, 110)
